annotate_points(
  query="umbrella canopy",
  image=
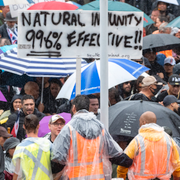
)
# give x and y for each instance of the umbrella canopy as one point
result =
(47, 67)
(116, 6)
(176, 2)
(72, 2)
(2, 98)
(44, 129)
(53, 5)
(160, 42)
(120, 70)
(124, 117)
(174, 23)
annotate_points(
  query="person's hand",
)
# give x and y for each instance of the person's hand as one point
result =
(41, 107)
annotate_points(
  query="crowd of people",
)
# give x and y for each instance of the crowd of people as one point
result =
(83, 149)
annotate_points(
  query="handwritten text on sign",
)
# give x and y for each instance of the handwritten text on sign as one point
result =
(77, 33)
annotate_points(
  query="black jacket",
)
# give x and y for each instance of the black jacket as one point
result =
(12, 118)
(3, 32)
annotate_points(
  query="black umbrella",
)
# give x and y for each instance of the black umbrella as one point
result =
(124, 117)
(160, 42)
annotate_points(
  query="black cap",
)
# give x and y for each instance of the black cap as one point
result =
(169, 99)
(10, 18)
(174, 79)
(11, 143)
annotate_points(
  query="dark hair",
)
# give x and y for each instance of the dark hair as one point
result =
(31, 122)
(81, 102)
(27, 96)
(56, 81)
(91, 96)
(114, 94)
(155, 9)
(163, 18)
(139, 80)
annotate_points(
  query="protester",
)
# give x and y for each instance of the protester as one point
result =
(56, 123)
(113, 96)
(169, 63)
(66, 107)
(4, 10)
(125, 89)
(15, 103)
(32, 88)
(94, 104)
(171, 102)
(4, 42)
(9, 147)
(138, 85)
(3, 136)
(152, 27)
(154, 153)
(9, 29)
(174, 88)
(31, 159)
(150, 88)
(28, 107)
(156, 69)
(82, 144)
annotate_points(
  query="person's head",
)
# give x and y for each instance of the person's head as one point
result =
(4, 42)
(147, 118)
(150, 86)
(32, 88)
(3, 135)
(138, 85)
(161, 19)
(163, 29)
(155, 14)
(28, 104)
(5, 10)
(171, 102)
(174, 84)
(39, 80)
(93, 104)
(10, 21)
(80, 102)
(10, 145)
(56, 123)
(55, 86)
(177, 34)
(127, 87)
(169, 63)
(113, 96)
(162, 6)
(31, 124)
(16, 103)
(150, 55)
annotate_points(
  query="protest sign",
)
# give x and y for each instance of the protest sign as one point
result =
(77, 34)
(22, 7)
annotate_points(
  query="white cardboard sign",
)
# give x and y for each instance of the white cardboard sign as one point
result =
(77, 34)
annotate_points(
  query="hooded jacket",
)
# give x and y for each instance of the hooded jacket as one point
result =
(153, 133)
(13, 99)
(87, 125)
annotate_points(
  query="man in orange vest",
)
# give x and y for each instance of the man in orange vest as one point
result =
(85, 146)
(154, 153)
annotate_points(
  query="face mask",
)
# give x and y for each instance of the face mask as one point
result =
(154, 91)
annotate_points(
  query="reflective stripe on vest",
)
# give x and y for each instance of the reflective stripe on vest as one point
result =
(140, 141)
(37, 163)
(75, 162)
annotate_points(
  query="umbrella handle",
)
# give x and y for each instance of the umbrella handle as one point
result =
(42, 89)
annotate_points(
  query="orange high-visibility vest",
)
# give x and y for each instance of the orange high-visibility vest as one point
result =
(153, 159)
(85, 157)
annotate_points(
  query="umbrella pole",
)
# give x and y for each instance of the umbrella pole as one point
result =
(42, 89)
(78, 76)
(104, 62)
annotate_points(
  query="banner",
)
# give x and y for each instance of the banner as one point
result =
(77, 34)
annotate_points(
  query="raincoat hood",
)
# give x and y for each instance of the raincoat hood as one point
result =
(150, 132)
(13, 99)
(87, 124)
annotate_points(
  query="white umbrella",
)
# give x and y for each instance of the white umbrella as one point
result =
(176, 2)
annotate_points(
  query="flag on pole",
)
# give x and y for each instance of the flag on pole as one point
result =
(16, 125)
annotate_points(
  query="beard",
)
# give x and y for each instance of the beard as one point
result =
(177, 111)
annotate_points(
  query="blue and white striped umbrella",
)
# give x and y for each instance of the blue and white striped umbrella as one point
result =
(120, 70)
(46, 67)
(8, 2)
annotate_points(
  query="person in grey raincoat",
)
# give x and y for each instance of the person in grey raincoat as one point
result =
(85, 147)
